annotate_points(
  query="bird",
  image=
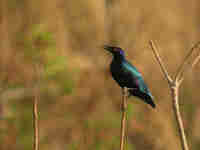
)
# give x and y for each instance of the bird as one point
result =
(126, 75)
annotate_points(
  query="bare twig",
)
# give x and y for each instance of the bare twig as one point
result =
(35, 122)
(196, 60)
(158, 58)
(174, 87)
(182, 67)
(175, 105)
(179, 77)
(123, 120)
(35, 111)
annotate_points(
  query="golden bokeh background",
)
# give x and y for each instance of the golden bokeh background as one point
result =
(79, 107)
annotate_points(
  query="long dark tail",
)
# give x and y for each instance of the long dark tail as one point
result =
(143, 96)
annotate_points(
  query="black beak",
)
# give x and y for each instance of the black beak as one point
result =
(108, 48)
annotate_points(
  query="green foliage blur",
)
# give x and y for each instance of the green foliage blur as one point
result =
(57, 46)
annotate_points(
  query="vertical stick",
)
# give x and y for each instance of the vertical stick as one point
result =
(35, 122)
(123, 120)
(35, 111)
(174, 92)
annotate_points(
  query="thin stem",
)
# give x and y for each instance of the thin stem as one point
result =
(123, 119)
(35, 110)
(158, 58)
(35, 123)
(196, 60)
(175, 92)
(180, 78)
(183, 65)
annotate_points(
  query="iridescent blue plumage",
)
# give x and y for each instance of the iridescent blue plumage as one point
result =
(126, 75)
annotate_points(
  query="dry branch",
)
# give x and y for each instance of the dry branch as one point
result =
(175, 106)
(182, 67)
(123, 119)
(158, 58)
(174, 87)
(35, 122)
(35, 110)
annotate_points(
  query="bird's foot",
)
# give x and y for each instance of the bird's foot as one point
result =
(129, 93)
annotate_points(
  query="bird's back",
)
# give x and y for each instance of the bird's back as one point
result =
(136, 77)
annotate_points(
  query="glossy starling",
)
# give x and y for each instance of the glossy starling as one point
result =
(126, 75)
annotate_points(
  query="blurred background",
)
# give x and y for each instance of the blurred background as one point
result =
(79, 107)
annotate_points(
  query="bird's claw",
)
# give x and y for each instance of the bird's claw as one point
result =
(129, 89)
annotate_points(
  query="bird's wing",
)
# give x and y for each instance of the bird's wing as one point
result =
(130, 68)
(143, 87)
(137, 78)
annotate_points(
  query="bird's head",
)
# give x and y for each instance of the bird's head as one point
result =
(117, 52)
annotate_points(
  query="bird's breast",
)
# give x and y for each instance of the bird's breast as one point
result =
(119, 74)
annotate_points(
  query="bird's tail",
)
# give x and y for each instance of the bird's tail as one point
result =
(147, 98)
